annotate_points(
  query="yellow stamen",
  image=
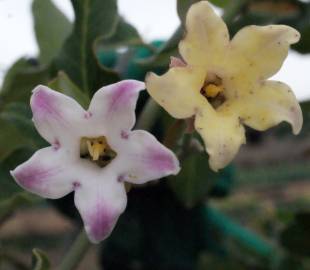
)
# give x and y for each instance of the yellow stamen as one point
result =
(96, 147)
(212, 90)
(89, 147)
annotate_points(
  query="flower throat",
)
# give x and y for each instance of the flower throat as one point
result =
(213, 90)
(97, 150)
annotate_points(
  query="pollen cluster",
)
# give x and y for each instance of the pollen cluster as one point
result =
(97, 150)
(213, 91)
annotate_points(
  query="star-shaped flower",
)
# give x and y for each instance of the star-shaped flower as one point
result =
(93, 153)
(223, 83)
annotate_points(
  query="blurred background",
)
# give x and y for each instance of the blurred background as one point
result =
(253, 215)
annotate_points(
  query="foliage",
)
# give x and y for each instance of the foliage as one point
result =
(39, 260)
(94, 19)
(51, 29)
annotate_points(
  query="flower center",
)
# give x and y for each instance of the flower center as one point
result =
(213, 90)
(97, 150)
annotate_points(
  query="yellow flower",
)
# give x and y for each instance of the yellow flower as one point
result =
(223, 83)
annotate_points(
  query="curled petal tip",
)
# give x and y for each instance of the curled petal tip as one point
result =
(138, 85)
(37, 88)
(100, 227)
(176, 62)
(141, 85)
(297, 121)
(176, 165)
(294, 36)
(148, 76)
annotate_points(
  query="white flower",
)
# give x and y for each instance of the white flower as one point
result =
(93, 153)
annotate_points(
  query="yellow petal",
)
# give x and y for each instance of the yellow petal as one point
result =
(257, 52)
(222, 135)
(269, 104)
(206, 37)
(178, 90)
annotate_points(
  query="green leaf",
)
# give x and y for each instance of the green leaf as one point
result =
(161, 58)
(18, 140)
(20, 199)
(289, 263)
(219, 3)
(207, 261)
(195, 180)
(19, 81)
(39, 260)
(11, 138)
(63, 84)
(18, 130)
(110, 50)
(19, 114)
(124, 35)
(153, 215)
(51, 29)
(289, 12)
(295, 237)
(93, 19)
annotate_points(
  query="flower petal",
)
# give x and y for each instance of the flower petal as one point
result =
(177, 91)
(222, 135)
(176, 62)
(113, 107)
(56, 116)
(258, 52)
(271, 103)
(100, 204)
(143, 159)
(206, 38)
(48, 173)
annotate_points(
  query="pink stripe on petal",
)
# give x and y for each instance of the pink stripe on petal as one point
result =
(122, 95)
(33, 178)
(47, 173)
(43, 103)
(113, 106)
(57, 117)
(145, 159)
(160, 160)
(100, 222)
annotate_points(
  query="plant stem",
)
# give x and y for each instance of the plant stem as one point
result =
(174, 132)
(242, 235)
(148, 115)
(76, 253)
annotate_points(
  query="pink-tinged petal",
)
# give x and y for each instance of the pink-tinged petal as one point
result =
(142, 159)
(48, 173)
(57, 117)
(176, 62)
(100, 205)
(113, 107)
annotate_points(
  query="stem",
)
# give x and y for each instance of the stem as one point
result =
(76, 253)
(185, 152)
(242, 235)
(173, 41)
(148, 115)
(174, 132)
